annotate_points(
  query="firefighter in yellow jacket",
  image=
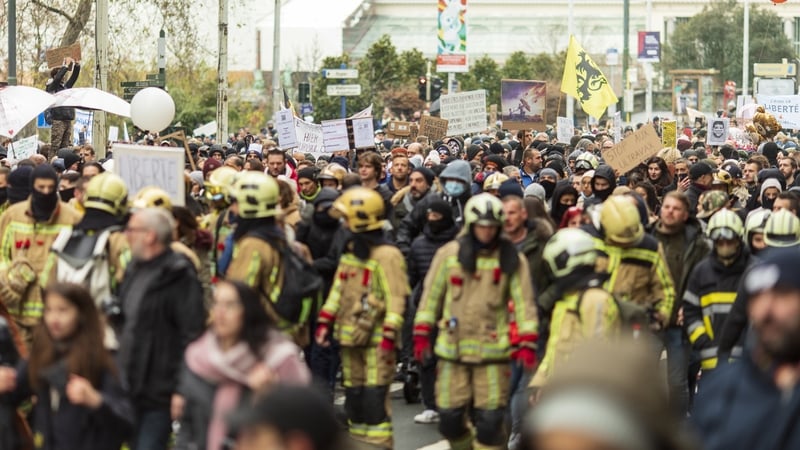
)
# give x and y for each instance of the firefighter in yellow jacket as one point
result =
(220, 221)
(28, 230)
(468, 294)
(585, 310)
(365, 311)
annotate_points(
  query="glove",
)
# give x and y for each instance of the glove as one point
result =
(525, 356)
(422, 345)
(322, 333)
(387, 345)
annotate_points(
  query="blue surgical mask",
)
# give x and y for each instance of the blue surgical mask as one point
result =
(454, 188)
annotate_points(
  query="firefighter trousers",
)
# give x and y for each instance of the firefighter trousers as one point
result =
(367, 376)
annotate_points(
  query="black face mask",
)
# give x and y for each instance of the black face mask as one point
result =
(559, 210)
(767, 203)
(549, 187)
(439, 226)
(604, 193)
(67, 194)
(43, 205)
(3, 195)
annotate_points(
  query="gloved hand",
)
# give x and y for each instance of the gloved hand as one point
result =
(386, 345)
(422, 347)
(321, 335)
(525, 356)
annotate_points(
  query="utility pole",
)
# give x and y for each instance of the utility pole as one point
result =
(428, 85)
(222, 74)
(746, 49)
(99, 137)
(570, 32)
(626, 83)
(276, 60)
(12, 42)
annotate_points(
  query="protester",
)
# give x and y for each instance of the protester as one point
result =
(61, 118)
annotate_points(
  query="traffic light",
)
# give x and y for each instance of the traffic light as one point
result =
(304, 93)
(436, 88)
(422, 85)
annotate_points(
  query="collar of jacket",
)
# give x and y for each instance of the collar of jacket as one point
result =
(50, 221)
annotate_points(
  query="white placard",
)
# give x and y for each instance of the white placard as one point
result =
(718, 131)
(309, 136)
(23, 148)
(564, 129)
(82, 128)
(785, 108)
(466, 112)
(334, 134)
(287, 138)
(255, 148)
(363, 133)
(617, 127)
(141, 166)
(113, 134)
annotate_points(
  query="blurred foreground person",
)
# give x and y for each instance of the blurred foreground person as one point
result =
(754, 404)
(241, 355)
(80, 401)
(597, 400)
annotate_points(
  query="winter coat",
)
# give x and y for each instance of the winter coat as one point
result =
(693, 194)
(162, 302)
(57, 85)
(422, 251)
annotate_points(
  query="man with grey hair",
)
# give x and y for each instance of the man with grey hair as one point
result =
(162, 305)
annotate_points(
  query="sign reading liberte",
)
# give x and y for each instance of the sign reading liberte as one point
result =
(141, 166)
(465, 112)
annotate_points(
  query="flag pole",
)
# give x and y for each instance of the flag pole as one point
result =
(570, 31)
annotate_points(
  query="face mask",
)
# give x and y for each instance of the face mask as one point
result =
(604, 193)
(67, 194)
(323, 219)
(454, 188)
(43, 205)
(767, 203)
(549, 187)
(438, 226)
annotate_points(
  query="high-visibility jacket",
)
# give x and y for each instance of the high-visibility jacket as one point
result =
(23, 237)
(471, 310)
(709, 297)
(368, 298)
(218, 223)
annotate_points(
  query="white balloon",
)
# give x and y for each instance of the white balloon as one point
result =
(152, 109)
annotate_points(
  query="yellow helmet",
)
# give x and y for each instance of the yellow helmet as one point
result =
(722, 178)
(219, 184)
(725, 224)
(483, 209)
(333, 171)
(782, 229)
(257, 194)
(152, 197)
(620, 220)
(569, 249)
(494, 181)
(362, 207)
(586, 161)
(755, 223)
(107, 192)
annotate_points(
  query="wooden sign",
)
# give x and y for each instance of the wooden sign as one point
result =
(55, 56)
(633, 150)
(433, 127)
(400, 129)
(412, 136)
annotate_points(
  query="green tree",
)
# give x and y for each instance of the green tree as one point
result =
(713, 40)
(414, 64)
(328, 107)
(484, 73)
(518, 67)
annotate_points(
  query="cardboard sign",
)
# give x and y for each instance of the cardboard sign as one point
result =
(785, 108)
(412, 136)
(23, 148)
(466, 112)
(633, 150)
(669, 133)
(55, 56)
(565, 129)
(309, 137)
(334, 134)
(141, 166)
(363, 132)
(399, 128)
(433, 127)
(284, 123)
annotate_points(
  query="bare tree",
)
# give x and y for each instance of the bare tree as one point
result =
(76, 19)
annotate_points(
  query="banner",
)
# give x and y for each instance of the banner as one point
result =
(565, 129)
(141, 166)
(633, 150)
(309, 137)
(785, 108)
(649, 46)
(465, 111)
(82, 127)
(451, 51)
(583, 80)
(523, 104)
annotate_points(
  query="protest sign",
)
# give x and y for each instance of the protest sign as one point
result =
(366, 112)
(522, 104)
(669, 133)
(397, 128)
(82, 127)
(309, 137)
(785, 108)
(412, 136)
(24, 148)
(565, 129)
(718, 131)
(113, 134)
(55, 56)
(363, 132)
(257, 147)
(334, 135)
(141, 166)
(465, 111)
(617, 127)
(433, 127)
(284, 123)
(633, 150)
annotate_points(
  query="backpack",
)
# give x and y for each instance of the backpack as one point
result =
(302, 285)
(82, 258)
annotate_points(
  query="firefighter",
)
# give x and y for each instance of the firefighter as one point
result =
(220, 221)
(478, 293)
(364, 310)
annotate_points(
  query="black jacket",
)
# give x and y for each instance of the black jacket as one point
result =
(162, 305)
(57, 84)
(414, 222)
(422, 250)
(693, 193)
(69, 426)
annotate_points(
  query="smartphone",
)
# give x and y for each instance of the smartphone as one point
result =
(682, 177)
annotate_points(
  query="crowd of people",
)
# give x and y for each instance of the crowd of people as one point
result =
(529, 295)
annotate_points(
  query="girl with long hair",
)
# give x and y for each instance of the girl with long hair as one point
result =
(658, 174)
(80, 402)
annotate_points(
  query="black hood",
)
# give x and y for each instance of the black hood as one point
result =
(604, 171)
(557, 210)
